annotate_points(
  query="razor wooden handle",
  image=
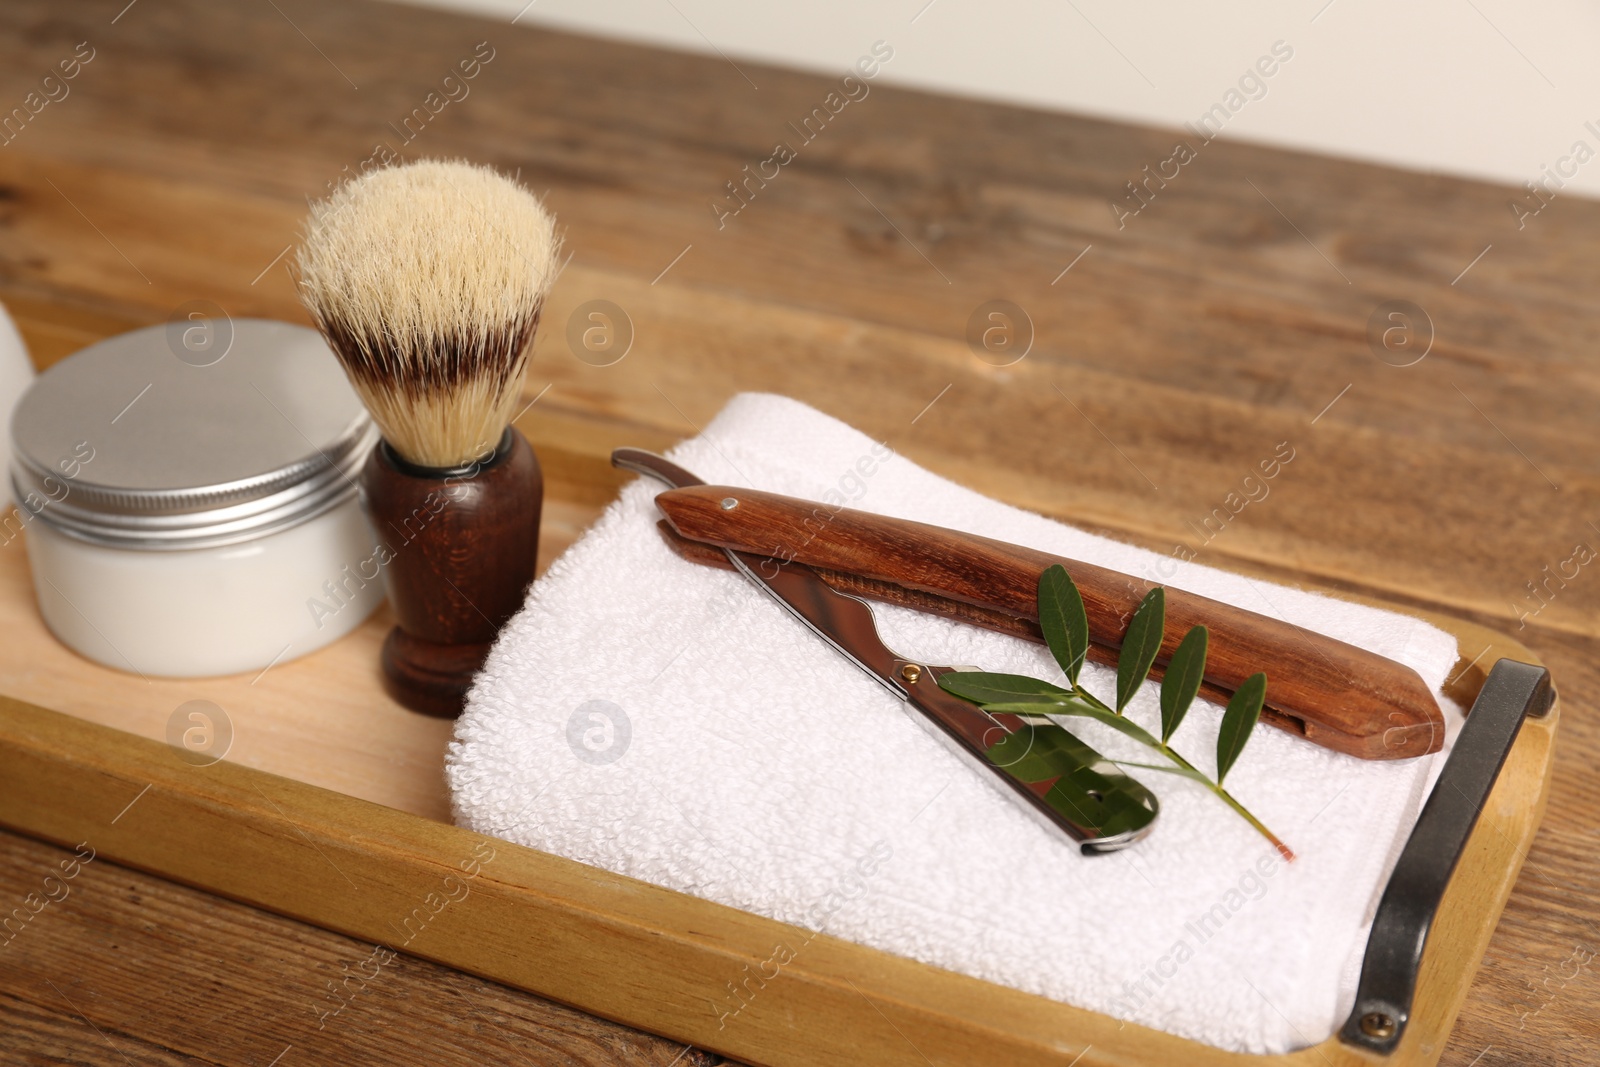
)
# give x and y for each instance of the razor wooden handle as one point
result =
(1332, 693)
(986, 618)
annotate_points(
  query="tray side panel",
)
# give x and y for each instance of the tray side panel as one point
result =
(646, 956)
(659, 960)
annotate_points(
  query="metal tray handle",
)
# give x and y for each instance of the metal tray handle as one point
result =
(1512, 692)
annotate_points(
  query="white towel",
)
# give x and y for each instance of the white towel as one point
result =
(667, 721)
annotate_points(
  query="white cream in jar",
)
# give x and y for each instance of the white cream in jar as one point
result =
(188, 494)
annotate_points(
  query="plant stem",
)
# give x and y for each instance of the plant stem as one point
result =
(1228, 799)
(1222, 794)
(1089, 698)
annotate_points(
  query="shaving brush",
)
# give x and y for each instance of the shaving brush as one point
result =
(427, 281)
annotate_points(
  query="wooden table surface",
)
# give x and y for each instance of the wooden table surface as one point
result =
(1169, 355)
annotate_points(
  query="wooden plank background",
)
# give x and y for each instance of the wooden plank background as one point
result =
(165, 975)
(1176, 353)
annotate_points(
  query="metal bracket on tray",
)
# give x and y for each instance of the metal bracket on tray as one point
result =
(1512, 692)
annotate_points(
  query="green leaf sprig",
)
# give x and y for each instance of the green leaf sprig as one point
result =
(1066, 632)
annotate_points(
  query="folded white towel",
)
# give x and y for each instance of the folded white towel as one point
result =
(668, 721)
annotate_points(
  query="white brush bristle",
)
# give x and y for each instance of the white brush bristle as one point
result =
(427, 280)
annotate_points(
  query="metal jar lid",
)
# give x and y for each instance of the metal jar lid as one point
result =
(201, 432)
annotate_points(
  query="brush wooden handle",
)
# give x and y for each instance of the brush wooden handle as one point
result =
(1330, 692)
(463, 545)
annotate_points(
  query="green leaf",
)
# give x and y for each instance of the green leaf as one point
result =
(1182, 681)
(982, 687)
(1075, 707)
(1087, 789)
(1040, 751)
(1237, 722)
(1027, 756)
(1063, 620)
(1140, 645)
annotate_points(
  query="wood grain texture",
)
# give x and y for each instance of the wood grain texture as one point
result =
(624, 949)
(1268, 332)
(1171, 360)
(1329, 692)
(461, 549)
(971, 614)
(163, 974)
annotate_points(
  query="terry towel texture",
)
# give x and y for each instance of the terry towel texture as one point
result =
(732, 755)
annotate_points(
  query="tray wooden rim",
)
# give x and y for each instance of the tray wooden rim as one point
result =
(651, 957)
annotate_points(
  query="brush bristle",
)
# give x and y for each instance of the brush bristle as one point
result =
(427, 280)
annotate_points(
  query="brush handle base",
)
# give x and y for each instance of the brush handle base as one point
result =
(462, 548)
(430, 678)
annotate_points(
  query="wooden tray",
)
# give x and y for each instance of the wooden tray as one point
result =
(331, 808)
